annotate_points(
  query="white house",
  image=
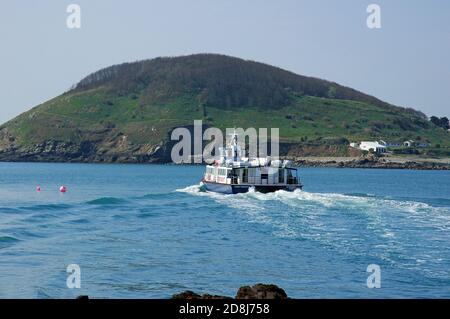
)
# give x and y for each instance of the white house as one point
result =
(372, 146)
(390, 143)
(409, 143)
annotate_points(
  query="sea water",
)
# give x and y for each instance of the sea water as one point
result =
(148, 231)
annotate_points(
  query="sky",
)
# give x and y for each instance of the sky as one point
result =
(405, 62)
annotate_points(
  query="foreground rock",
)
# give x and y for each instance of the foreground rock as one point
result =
(261, 291)
(258, 291)
(189, 295)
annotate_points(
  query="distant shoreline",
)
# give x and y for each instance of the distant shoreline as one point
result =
(391, 162)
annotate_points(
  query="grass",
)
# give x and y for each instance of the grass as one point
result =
(96, 115)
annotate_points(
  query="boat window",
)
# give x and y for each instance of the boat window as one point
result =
(291, 176)
(281, 175)
(245, 175)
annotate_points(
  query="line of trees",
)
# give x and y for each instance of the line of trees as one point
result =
(221, 81)
(441, 122)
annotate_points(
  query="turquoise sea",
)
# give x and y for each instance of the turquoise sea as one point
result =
(147, 231)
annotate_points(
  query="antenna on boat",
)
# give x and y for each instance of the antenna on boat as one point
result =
(234, 145)
(235, 150)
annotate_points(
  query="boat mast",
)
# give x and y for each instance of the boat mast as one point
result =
(234, 146)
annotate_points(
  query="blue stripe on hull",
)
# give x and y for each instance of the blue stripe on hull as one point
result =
(235, 189)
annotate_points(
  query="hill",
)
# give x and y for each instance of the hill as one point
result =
(126, 112)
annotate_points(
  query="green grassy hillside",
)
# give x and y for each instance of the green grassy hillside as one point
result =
(126, 112)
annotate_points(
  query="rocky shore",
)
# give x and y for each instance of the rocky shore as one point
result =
(61, 152)
(258, 291)
(375, 162)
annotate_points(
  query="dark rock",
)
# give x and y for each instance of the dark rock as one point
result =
(208, 296)
(258, 291)
(188, 294)
(82, 297)
(261, 291)
(192, 295)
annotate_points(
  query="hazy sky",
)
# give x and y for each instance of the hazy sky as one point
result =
(406, 62)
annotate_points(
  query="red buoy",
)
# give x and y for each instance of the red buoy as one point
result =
(63, 189)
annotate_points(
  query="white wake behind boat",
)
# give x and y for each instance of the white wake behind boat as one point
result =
(233, 174)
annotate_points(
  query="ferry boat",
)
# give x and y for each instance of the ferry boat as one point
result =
(233, 174)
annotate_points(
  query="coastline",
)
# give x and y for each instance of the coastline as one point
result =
(388, 162)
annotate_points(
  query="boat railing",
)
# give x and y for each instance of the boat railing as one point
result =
(235, 180)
